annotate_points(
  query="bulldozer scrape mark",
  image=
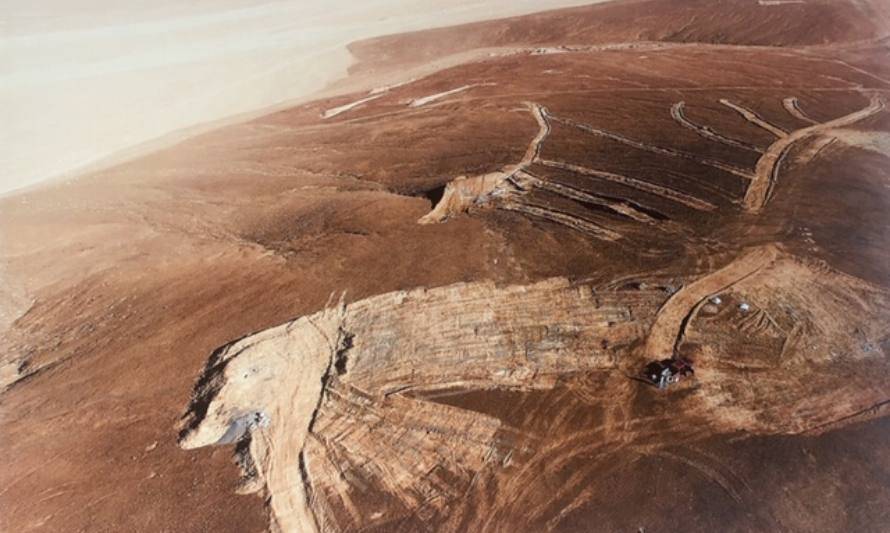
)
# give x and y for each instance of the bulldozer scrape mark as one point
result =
(677, 112)
(331, 419)
(418, 102)
(512, 182)
(644, 186)
(506, 189)
(333, 369)
(527, 180)
(463, 193)
(754, 118)
(768, 166)
(564, 219)
(534, 148)
(719, 165)
(792, 105)
(669, 323)
(334, 111)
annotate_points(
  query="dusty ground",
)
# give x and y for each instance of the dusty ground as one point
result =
(509, 241)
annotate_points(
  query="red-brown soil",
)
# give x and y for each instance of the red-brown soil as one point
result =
(135, 274)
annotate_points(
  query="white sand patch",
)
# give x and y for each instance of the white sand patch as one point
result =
(333, 112)
(373, 94)
(417, 102)
(386, 88)
(876, 141)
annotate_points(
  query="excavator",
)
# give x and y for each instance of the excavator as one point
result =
(668, 371)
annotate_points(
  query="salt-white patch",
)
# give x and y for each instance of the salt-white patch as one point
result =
(779, 2)
(333, 112)
(417, 102)
(876, 141)
(549, 50)
(387, 88)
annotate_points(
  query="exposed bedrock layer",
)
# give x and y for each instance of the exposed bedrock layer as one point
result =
(338, 410)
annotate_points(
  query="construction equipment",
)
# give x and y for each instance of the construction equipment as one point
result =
(668, 371)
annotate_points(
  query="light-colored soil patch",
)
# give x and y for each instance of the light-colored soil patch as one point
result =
(329, 402)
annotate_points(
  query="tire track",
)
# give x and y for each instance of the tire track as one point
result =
(754, 118)
(719, 165)
(767, 169)
(706, 132)
(711, 474)
(645, 186)
(792, 105)
(525, 180)
(671, 320)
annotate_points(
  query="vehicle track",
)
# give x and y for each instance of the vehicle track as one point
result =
(644, 186)
(719, 165)
(792, 105)
(712, 474)
(671, 320)
(754, 118)
(706, 131)
(766, 172)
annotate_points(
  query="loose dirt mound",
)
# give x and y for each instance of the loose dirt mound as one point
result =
(323, 400)
(340, 439)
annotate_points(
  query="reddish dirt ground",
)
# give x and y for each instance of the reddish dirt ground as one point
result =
(139, 271)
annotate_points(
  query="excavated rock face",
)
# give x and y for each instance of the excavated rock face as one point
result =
(324, 400)
(464, 192)
(345, 427)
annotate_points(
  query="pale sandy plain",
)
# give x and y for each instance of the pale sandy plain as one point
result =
(84, 79)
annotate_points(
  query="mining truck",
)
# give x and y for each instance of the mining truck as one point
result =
(667, 371)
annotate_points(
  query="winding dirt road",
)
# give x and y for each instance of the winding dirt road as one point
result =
(767, 171)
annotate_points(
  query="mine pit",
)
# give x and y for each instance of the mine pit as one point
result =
(402, 378)
(431, 305)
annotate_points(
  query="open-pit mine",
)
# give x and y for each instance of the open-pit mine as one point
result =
(425, 302)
